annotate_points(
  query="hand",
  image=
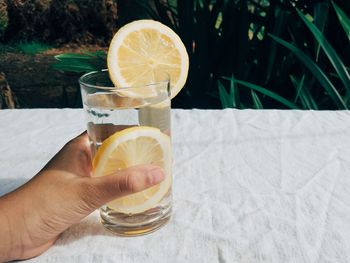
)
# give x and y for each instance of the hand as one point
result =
(60, 195)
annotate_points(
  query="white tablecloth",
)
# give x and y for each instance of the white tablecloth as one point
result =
(249, 186)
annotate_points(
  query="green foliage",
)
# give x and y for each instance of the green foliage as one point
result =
(256, 100)
(264, 91)
(329, 51)
(268, 43)
(343, 19)
(251, 54)
(227, 99)
(32, 47)
(303, 94)
(316, 71)
(320, 17)
(81, 62)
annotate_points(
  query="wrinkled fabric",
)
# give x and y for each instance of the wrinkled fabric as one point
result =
(249, 186)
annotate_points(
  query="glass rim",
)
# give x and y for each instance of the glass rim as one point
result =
(113, 88)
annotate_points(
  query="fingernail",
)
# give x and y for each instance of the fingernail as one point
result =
(157, 175)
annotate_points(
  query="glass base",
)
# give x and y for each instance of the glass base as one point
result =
(135, 225)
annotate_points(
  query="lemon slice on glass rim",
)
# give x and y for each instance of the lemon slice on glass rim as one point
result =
(142, 49)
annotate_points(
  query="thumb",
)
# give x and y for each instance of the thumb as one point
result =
(125, 182)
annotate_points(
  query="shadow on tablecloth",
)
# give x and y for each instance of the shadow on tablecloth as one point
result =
(88, 227)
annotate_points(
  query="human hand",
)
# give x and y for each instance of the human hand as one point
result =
(60, 195)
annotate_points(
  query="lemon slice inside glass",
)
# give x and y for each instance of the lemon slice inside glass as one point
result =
(130, 147)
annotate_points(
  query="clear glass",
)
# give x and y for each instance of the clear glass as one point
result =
(109, 110)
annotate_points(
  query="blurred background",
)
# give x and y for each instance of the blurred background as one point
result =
(271, 54)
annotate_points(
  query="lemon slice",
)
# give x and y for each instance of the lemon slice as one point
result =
(135, 146)
(142, 49)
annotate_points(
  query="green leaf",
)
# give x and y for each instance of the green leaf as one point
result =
(329, 51)
(83, 55)
(235, 94)
(299, 86)
(303, 93)
(305, 102)
(200, 3)
(224, 96)
(266, 92)
(333, 74)
(82, 62)
(279, 26)
(99, 53)
(321, 14)
(316, 71)
(343, 19)
(256, 100)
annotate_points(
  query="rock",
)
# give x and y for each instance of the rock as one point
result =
(7, 98)
(84, 21)
(3, 17)
(61, 21)
(36, 84)
(27, 19)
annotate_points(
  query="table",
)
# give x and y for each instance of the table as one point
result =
(249, 186)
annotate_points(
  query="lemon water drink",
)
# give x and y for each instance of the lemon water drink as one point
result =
(131, 126)
(127, 129)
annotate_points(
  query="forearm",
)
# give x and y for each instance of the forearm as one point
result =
(6, 239)
(18, 222)
(10, 241)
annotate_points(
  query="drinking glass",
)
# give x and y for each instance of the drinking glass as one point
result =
(110, 110)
